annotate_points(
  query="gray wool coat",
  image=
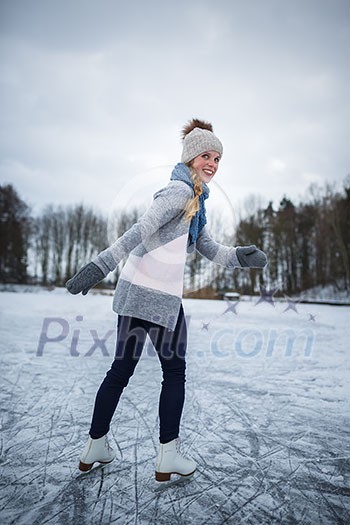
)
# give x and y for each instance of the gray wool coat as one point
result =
(150, 285)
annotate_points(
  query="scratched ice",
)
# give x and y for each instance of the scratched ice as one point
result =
(266, 416)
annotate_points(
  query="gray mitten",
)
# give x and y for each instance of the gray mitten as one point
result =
(87, 277)
(251, 256)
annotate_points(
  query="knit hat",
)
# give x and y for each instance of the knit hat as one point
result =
(198, 140)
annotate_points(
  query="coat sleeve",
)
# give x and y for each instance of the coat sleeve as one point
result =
(167, 204)
(216, 252)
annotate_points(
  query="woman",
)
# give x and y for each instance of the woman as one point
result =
(149, 292)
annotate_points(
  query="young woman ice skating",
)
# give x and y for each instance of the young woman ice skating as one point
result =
(149, 292)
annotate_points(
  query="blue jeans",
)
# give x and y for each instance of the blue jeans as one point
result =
(171, 350)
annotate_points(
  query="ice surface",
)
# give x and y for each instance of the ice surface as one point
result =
(266, 416)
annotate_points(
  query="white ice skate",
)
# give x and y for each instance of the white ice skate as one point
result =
(96, 450)
(171, 461)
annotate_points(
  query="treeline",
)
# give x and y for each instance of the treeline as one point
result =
(63, 240)
(308, 244)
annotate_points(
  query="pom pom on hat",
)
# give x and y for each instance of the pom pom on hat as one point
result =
(198, 137)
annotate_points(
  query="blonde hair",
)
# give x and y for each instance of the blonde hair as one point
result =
(192, 205)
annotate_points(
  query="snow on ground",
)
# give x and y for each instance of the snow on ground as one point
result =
(328, 293)
(266, 416)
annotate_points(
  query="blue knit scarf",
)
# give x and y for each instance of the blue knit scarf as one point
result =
(199, 220)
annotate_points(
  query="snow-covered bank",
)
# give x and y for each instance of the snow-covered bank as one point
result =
(266, 416)
(319, 295)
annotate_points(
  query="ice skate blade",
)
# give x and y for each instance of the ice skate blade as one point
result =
(166, 476)
(176, 481)
(85, 467)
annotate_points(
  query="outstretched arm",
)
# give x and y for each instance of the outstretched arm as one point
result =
(230, 257)
(167, 203)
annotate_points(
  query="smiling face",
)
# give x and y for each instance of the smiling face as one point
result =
(206, 165)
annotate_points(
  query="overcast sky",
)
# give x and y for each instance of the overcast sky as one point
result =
(94, 94)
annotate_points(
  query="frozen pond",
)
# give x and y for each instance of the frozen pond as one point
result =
(266, 416)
